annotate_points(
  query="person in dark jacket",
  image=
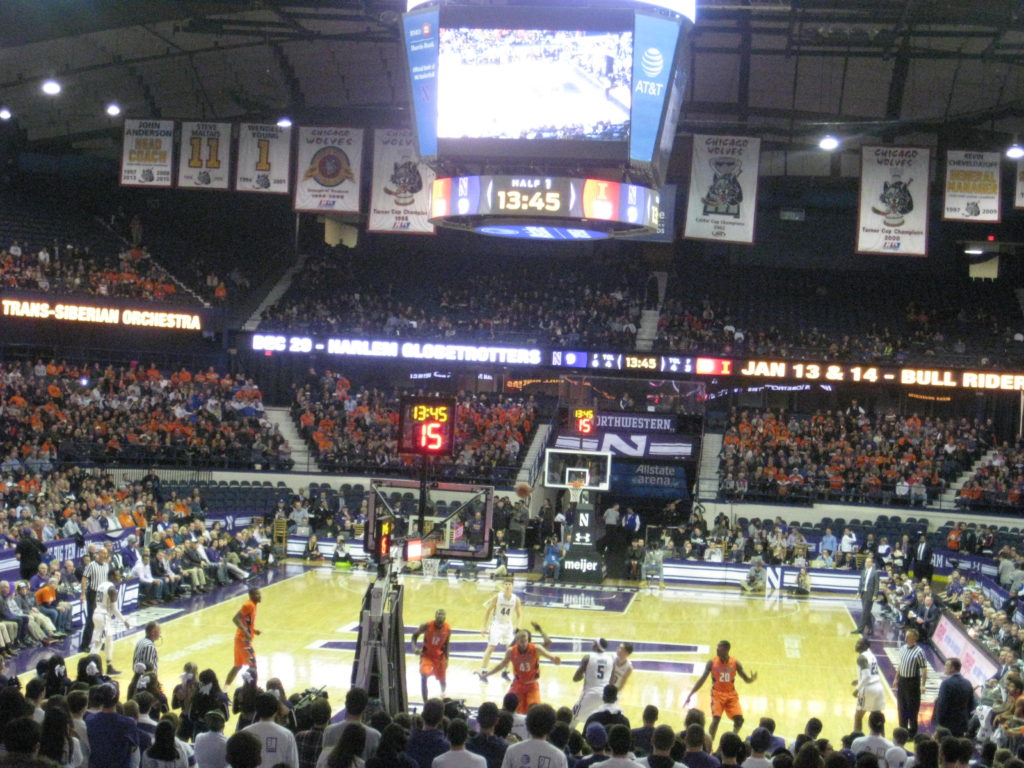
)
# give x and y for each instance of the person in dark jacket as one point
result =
(955, 702)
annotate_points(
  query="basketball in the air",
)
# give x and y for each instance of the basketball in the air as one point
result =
(523, 490)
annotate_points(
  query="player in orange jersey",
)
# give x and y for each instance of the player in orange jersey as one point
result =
(525, 659)
(245, 620)
(723, 670)
(434, 650)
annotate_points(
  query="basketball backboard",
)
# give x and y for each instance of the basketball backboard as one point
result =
(564, 466)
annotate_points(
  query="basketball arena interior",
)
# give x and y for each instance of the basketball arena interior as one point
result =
(679, 321)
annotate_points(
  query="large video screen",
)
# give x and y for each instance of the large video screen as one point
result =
(534, 83)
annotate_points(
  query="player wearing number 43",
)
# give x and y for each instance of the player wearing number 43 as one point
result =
(525, 659)
(595, 670)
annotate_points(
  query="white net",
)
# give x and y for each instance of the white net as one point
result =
(575, 492)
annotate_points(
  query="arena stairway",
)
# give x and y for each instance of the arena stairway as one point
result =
(282, 419)
(948, 498)
(648, 330)
(273, 296)
(707, 477)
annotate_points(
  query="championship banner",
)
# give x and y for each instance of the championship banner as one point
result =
(893, 212)
(264, 152)
(400, 200)
(972, 186)
(146, 153)
(204, 156)
(1018, 194)
(723, 189)
(328, 169)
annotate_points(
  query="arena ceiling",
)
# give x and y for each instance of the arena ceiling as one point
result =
(786, 70)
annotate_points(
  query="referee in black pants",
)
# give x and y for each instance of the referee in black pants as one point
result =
(97, 572)
(911, 676)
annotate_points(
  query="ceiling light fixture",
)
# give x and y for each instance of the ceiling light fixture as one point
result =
(828, 143)
(113, 109)
(284, 122)
(1015, 151)
(5, 113)
(51, 87)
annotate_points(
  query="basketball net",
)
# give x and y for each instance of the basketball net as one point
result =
(430, 565)
(575, 491)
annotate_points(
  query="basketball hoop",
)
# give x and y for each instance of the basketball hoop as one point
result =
(430, 565)
(575, 491)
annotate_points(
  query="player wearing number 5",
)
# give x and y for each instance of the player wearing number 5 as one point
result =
(723, 670)
(595, 670)
(525, 659)
(503, 614)
(434, 650)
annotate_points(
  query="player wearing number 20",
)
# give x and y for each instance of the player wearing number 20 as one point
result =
(595, 670)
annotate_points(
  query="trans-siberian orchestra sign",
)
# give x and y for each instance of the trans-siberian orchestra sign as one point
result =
(100, 315)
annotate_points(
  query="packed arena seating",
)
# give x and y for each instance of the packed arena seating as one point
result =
(850, 456)
(871, 317)
(565, 302)
(57, 412)
(356, 430)
(997, 483)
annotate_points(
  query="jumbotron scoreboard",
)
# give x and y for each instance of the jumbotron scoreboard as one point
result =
(548, 122)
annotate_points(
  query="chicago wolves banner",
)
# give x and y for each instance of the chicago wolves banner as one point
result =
(972, 186)
(400, 200)
(204, 156)
(264, 153)
(723, 189)
(146, 153)
(1018, 193)
(893, 212)
(327, 169)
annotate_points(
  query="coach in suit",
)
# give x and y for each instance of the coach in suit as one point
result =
(927, 617)
(955, 702)
(868, 591)
(922, 559)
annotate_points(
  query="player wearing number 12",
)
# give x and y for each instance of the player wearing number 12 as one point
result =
(595, 670)
(434, 651)
(723, 670)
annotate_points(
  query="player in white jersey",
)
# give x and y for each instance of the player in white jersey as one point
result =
(870, 691)
(503, 614)
(595, 670)
(623, 666)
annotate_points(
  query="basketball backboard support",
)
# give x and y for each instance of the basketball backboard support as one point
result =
(565, 466)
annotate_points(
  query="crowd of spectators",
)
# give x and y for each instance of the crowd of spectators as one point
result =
(560, 305)
(798, 326)
(129, 274)
(356, 429)
(847, 455)
(997, 482)
(53, 412)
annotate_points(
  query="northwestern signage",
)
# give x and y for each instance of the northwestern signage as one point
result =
(637, 422)
(637, 445)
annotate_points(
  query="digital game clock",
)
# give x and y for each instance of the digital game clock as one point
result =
(426, 426)
(542, 204)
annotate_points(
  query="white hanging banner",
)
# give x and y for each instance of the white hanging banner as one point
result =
(146, 154)
(400, 200)
(893, 213)
(722, 203)
(328, 169)
(204, 156)
(1018, 193)
(264, 154)
(972, 186)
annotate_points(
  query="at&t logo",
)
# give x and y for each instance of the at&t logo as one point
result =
(652, 63)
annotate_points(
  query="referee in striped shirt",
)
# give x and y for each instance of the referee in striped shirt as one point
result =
(97, 572)
(145, 649)
(911, 676)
